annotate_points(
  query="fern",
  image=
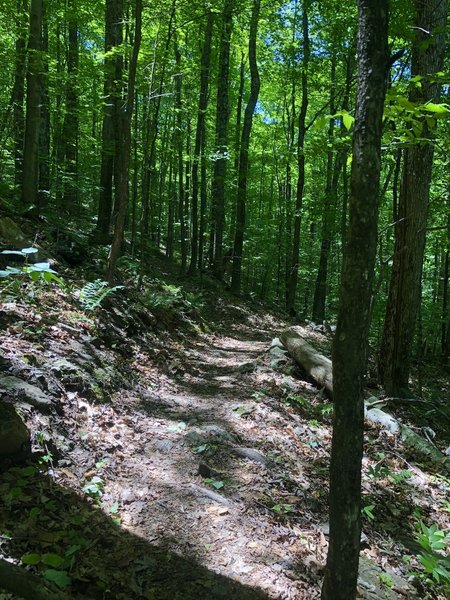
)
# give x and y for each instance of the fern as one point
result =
(93, 293)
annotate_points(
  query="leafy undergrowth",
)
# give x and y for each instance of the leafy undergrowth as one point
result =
(173, 456)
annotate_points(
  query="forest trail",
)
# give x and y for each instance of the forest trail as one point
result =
(182, 465)
(203, 475)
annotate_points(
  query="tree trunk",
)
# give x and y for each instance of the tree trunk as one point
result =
(32, 121)
(111, 91)
(320, 368)
(19, 89)
(351, 338)
(71, 120)
(292, 276)
(44, 131)
(243, 153)
(221, 143)
(200, 135)
(405, 285)
(123, 152)
(332, 180)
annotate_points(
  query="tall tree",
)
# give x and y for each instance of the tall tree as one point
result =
(292, 276)
(200, 140)
(243, 152)
(19, 89)
(111, 92)
(123, 151)
(71, 119)
(221, 141)
(44, 130)
(351, 339)
(33, 113)
(410, 231)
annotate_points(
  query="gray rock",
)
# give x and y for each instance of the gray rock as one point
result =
(277, 352)
(277, 343)
(289, 384)
(253, 455)
(14, 435)
(25, 391)
(278, 363)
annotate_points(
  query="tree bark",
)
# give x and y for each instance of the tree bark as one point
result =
(351, 338)
(243, 153)
(292, 276)
(33, 113)
(112, 85)
(200, 135)
(71, 119)
(320, 368)
(221, 142)
(124, 150)
(405, 286)
(19, 90)
(44, 130)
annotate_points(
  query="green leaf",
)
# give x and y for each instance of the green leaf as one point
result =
(438, 109)
(31, 559)
(348, 120)
(114, 508)
(59, 578)
(52, 560)
(215, 484)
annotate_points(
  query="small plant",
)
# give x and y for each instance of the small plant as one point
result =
(434, 558)
(379, 471)
(16, 276)
(93, 293)
(400, 477)
(386, 579)
(94, 487)
(59, 577)
(367, 511)
(283, 509)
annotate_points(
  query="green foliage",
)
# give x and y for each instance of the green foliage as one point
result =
(94, 487)
(386, 579)
(283, 509)
(32, 272)
(93, 293)
(217, 485)
(435, 557)
(367, 511)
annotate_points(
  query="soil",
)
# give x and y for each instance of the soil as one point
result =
(181, 458)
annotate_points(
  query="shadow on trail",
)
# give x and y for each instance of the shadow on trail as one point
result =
(102, 559)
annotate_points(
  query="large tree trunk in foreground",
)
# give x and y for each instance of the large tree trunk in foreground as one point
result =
(352, 330)
(320, 368)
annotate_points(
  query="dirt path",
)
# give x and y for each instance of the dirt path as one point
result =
(189, 483)
(182, 468)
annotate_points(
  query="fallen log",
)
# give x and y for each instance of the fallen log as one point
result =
(320, 368)
(315, 364)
